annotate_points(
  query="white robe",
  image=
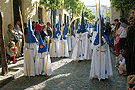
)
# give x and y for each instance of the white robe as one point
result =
(41, 62)
(71, 42)
(82, 48)
(93, 39)
(32, 49)
(65, 49)
(106, 66)
(55, 47)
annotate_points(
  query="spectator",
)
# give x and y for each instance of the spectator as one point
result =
(107, 30)
(11, 50)
(122, 65)
(18, 24)
(123, 32)
(116, 38)
(11, 33)
(49, 30)
(133, 13)
(44, 34)
(117, 24)
(130, 48)
(108, 33)
(25, 29)
(33, 25)
(42, 23)
(37, 28)
(19, 43)
(118, 58)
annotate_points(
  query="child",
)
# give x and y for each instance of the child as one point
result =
(43, 62)
(119, 57)
(122, 65)
(12, 50)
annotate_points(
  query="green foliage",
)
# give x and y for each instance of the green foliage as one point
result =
(70, 5)
(107, 14)
(73, 5)
(123, 5)
(56, 4)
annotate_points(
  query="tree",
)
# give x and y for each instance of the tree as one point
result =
(107, 14)
(72, 5)
(123, 5)
(51, 5)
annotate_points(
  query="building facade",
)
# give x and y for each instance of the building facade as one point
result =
(29, 8)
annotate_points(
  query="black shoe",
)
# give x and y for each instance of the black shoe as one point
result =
(80, 61)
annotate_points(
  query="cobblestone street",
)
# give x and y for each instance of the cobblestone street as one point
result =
(69, 75)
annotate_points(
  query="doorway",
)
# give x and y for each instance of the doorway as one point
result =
(16, 4)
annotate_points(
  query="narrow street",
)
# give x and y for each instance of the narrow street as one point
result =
(69, 75)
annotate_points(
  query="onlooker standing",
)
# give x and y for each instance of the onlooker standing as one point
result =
(37, 28)
(108, 33)
(44, 34)
(130, 48)
(33, 25)
(25, 29)
(133, 13)
(123, 32)
(49, 29)
(116, 38)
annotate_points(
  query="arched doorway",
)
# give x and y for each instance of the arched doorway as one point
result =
(3, 60)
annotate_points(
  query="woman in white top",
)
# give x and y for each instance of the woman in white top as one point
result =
(123, 32)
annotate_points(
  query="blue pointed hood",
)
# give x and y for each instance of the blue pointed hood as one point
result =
(72, 30)
(54, 32)
(30, 36)
(66, 29)
(95, 27)
(96, 42)
(64, 33)
(75, 26)
(44, 49)
(90, 26)
(82, 28)
(58, 29)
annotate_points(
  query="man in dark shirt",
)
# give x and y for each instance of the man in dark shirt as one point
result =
(130, 48)
(49, 29)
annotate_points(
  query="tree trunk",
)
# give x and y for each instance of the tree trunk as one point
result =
(122, 12)
(72, 14)
(2, 50)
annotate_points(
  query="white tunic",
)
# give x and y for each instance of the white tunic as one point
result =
(65, 49)
(55, 47)
(93, 38)
(82, 48)
(105, 66)
(71, 42)
(43, 62)
(32, 49)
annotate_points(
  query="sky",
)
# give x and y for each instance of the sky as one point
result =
(92, 2)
